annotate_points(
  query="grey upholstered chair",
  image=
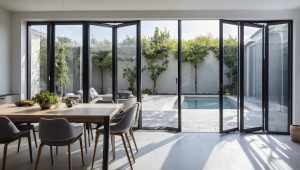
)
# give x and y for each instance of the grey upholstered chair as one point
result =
(58, 132)
(121, 129)
(26, 127)
(10, 133)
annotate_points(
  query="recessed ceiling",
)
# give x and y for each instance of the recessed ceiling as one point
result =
(132, 5)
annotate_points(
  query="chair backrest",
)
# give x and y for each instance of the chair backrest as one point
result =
(7, 128)
(127, 103)
(137, 114)
(126, 122)
(55, 129)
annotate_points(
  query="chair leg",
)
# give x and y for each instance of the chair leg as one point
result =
(133, 138)
(34, 136)
(126, 135)
(113, 145)
(51, 154)
(91, 130)
(95, 148)
(39, 155)
(125, 147)
(30, 148)
(4, 156)
(56, 150)
(69, 156)
(88, 133)
(81, 149)
(19, 143)
(84, 134)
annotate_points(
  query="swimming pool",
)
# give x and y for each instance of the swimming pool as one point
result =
(207, 103)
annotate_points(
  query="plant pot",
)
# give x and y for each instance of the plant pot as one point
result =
(295, 133)
(45, 106)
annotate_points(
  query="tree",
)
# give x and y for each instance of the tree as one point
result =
(62, 52)
(129, 74)
(230, 56)
(126, 56)
(196, 50)
(156, 51)
(101, 57)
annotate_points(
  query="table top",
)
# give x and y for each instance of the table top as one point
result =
(78, 113)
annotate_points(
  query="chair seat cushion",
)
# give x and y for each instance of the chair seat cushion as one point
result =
(77, 132)
(15, 137)
(24, 127)
(113, 129)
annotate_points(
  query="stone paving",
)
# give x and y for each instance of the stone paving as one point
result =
(160, 111)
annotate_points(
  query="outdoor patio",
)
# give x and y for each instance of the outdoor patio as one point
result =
(160, 111)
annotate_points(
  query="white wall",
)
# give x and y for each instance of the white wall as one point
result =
(4, 52)
(18, 39)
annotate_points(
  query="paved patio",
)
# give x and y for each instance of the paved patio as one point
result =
(160, 111)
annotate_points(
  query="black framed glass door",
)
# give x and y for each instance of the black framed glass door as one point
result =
(263, 76)
(279, 76)
(229, 76)
(251, 77)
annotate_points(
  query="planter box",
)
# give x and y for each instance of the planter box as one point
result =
(295, 133)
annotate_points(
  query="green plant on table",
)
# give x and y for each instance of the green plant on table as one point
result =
(45, 97)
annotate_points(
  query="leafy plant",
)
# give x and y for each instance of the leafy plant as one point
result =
(129, 74)
(231, 61)
(196, 50)
(62, 52)
(102, 57)
(45, 97)
(147, 91)
(156, 51)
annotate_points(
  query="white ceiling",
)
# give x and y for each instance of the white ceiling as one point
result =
(132, 5)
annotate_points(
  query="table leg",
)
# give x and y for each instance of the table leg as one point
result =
(106, 143)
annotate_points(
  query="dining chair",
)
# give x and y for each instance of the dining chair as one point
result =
(10, 133)
(89, 126)
(120, 129)
(26, 127)
(59, 132)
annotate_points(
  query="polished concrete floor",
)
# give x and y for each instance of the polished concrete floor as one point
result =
(182, 151)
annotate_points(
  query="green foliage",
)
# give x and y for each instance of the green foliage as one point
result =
(156, 51)
(45, 97)
(196, 50)
(130, 75)
(101, 57)
(62, 52)
(230, 56)
(43, 64)
(147, 91)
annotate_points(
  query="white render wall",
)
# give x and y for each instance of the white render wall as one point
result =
(4, 52)
(18, 39)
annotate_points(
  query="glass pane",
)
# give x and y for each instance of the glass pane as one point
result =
(200, 76)
(101, 63)
(278, 78)
(126, 58)
(68, 60)
(38, 57)
(253, 87)
(230, 76)
(159, 76)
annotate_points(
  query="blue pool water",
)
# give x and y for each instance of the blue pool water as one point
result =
(207, 103)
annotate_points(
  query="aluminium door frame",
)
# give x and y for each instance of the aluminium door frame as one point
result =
(221, 84)
(242, 71)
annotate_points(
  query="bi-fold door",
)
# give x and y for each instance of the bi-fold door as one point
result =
(255, 75)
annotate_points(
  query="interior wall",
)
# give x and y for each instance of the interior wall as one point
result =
(18, 39)
(4, 52)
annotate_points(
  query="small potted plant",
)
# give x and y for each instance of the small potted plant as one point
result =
(46, 99)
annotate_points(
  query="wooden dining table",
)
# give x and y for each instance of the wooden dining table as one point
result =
(80, 113)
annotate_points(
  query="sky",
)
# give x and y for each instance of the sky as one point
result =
(190, 30)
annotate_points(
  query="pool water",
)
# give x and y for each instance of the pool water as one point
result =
(207, 103)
